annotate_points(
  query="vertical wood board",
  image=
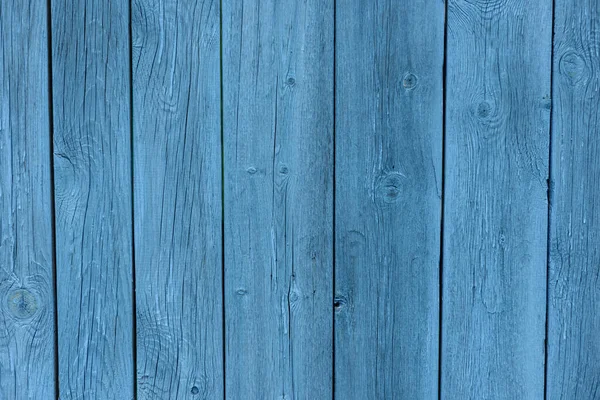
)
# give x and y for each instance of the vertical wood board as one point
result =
(27, 332)
(92, 158)
(389, 100)
(278, 152)
(574, 275)
(495, 212)
(177, 199)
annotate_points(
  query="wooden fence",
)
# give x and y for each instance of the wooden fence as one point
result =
(299, 199)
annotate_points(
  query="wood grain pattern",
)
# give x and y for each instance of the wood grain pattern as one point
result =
(574, 275)
(92, 158)
(278, 152)
(274, 170)
(495, 215)
(389, 60)
(27, 333)
(177, 183)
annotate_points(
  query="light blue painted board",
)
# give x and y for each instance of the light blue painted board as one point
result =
(27, 334)
(92, 158)
(177, 193)
(389, 103)
(278, 152)
(495, 199)
(574, 275)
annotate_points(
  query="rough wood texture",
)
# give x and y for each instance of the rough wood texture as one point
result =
(574, 275)
(389, 60)
(91, 102)
(278, 142)
(495, 215)
(26, 290)
(177, 183)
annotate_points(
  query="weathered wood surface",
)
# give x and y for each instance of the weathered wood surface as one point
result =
(278, 152)
(92, 158)
(389, 59)
(27, 354)
(495, 205)
(177, 199)
(574, 275)
(272, 177)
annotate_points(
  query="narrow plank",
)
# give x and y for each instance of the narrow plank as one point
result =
(495, 215)
(389, 59)
(27, 334)
(574, 275)
(92, 158)
(278, 152)
(177, 195)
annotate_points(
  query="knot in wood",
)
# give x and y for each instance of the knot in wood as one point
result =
(573, 67)
(502, 239)
(547, 103)
(22, 303)
(388, 187)
(284, 170)
(484, 109)
(409, 82)
(339, 303)
(294, 296)
(200, 386)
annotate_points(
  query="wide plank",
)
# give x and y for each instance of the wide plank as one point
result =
(27, 332)
(278, 164)
(92, 158)
(177, 199)
(389, 104)
(495, 199)
(574, 275)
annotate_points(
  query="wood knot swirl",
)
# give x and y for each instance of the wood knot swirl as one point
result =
(25, 303)
(339, 303)
(572, 66)
(488, 115)
(22, 303)
(409, 82)
(388, 187)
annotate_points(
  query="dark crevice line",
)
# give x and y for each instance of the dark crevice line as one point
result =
(549, 199)
(132, 162)
(442, 200)
(223, 326)
(333, 275)
(52, 194)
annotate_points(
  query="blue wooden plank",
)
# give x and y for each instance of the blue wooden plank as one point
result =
(278, 152)
(92, 158)
(177, 183)
(574, 275)
(27, 334)
(495, 205)
(389, 59)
